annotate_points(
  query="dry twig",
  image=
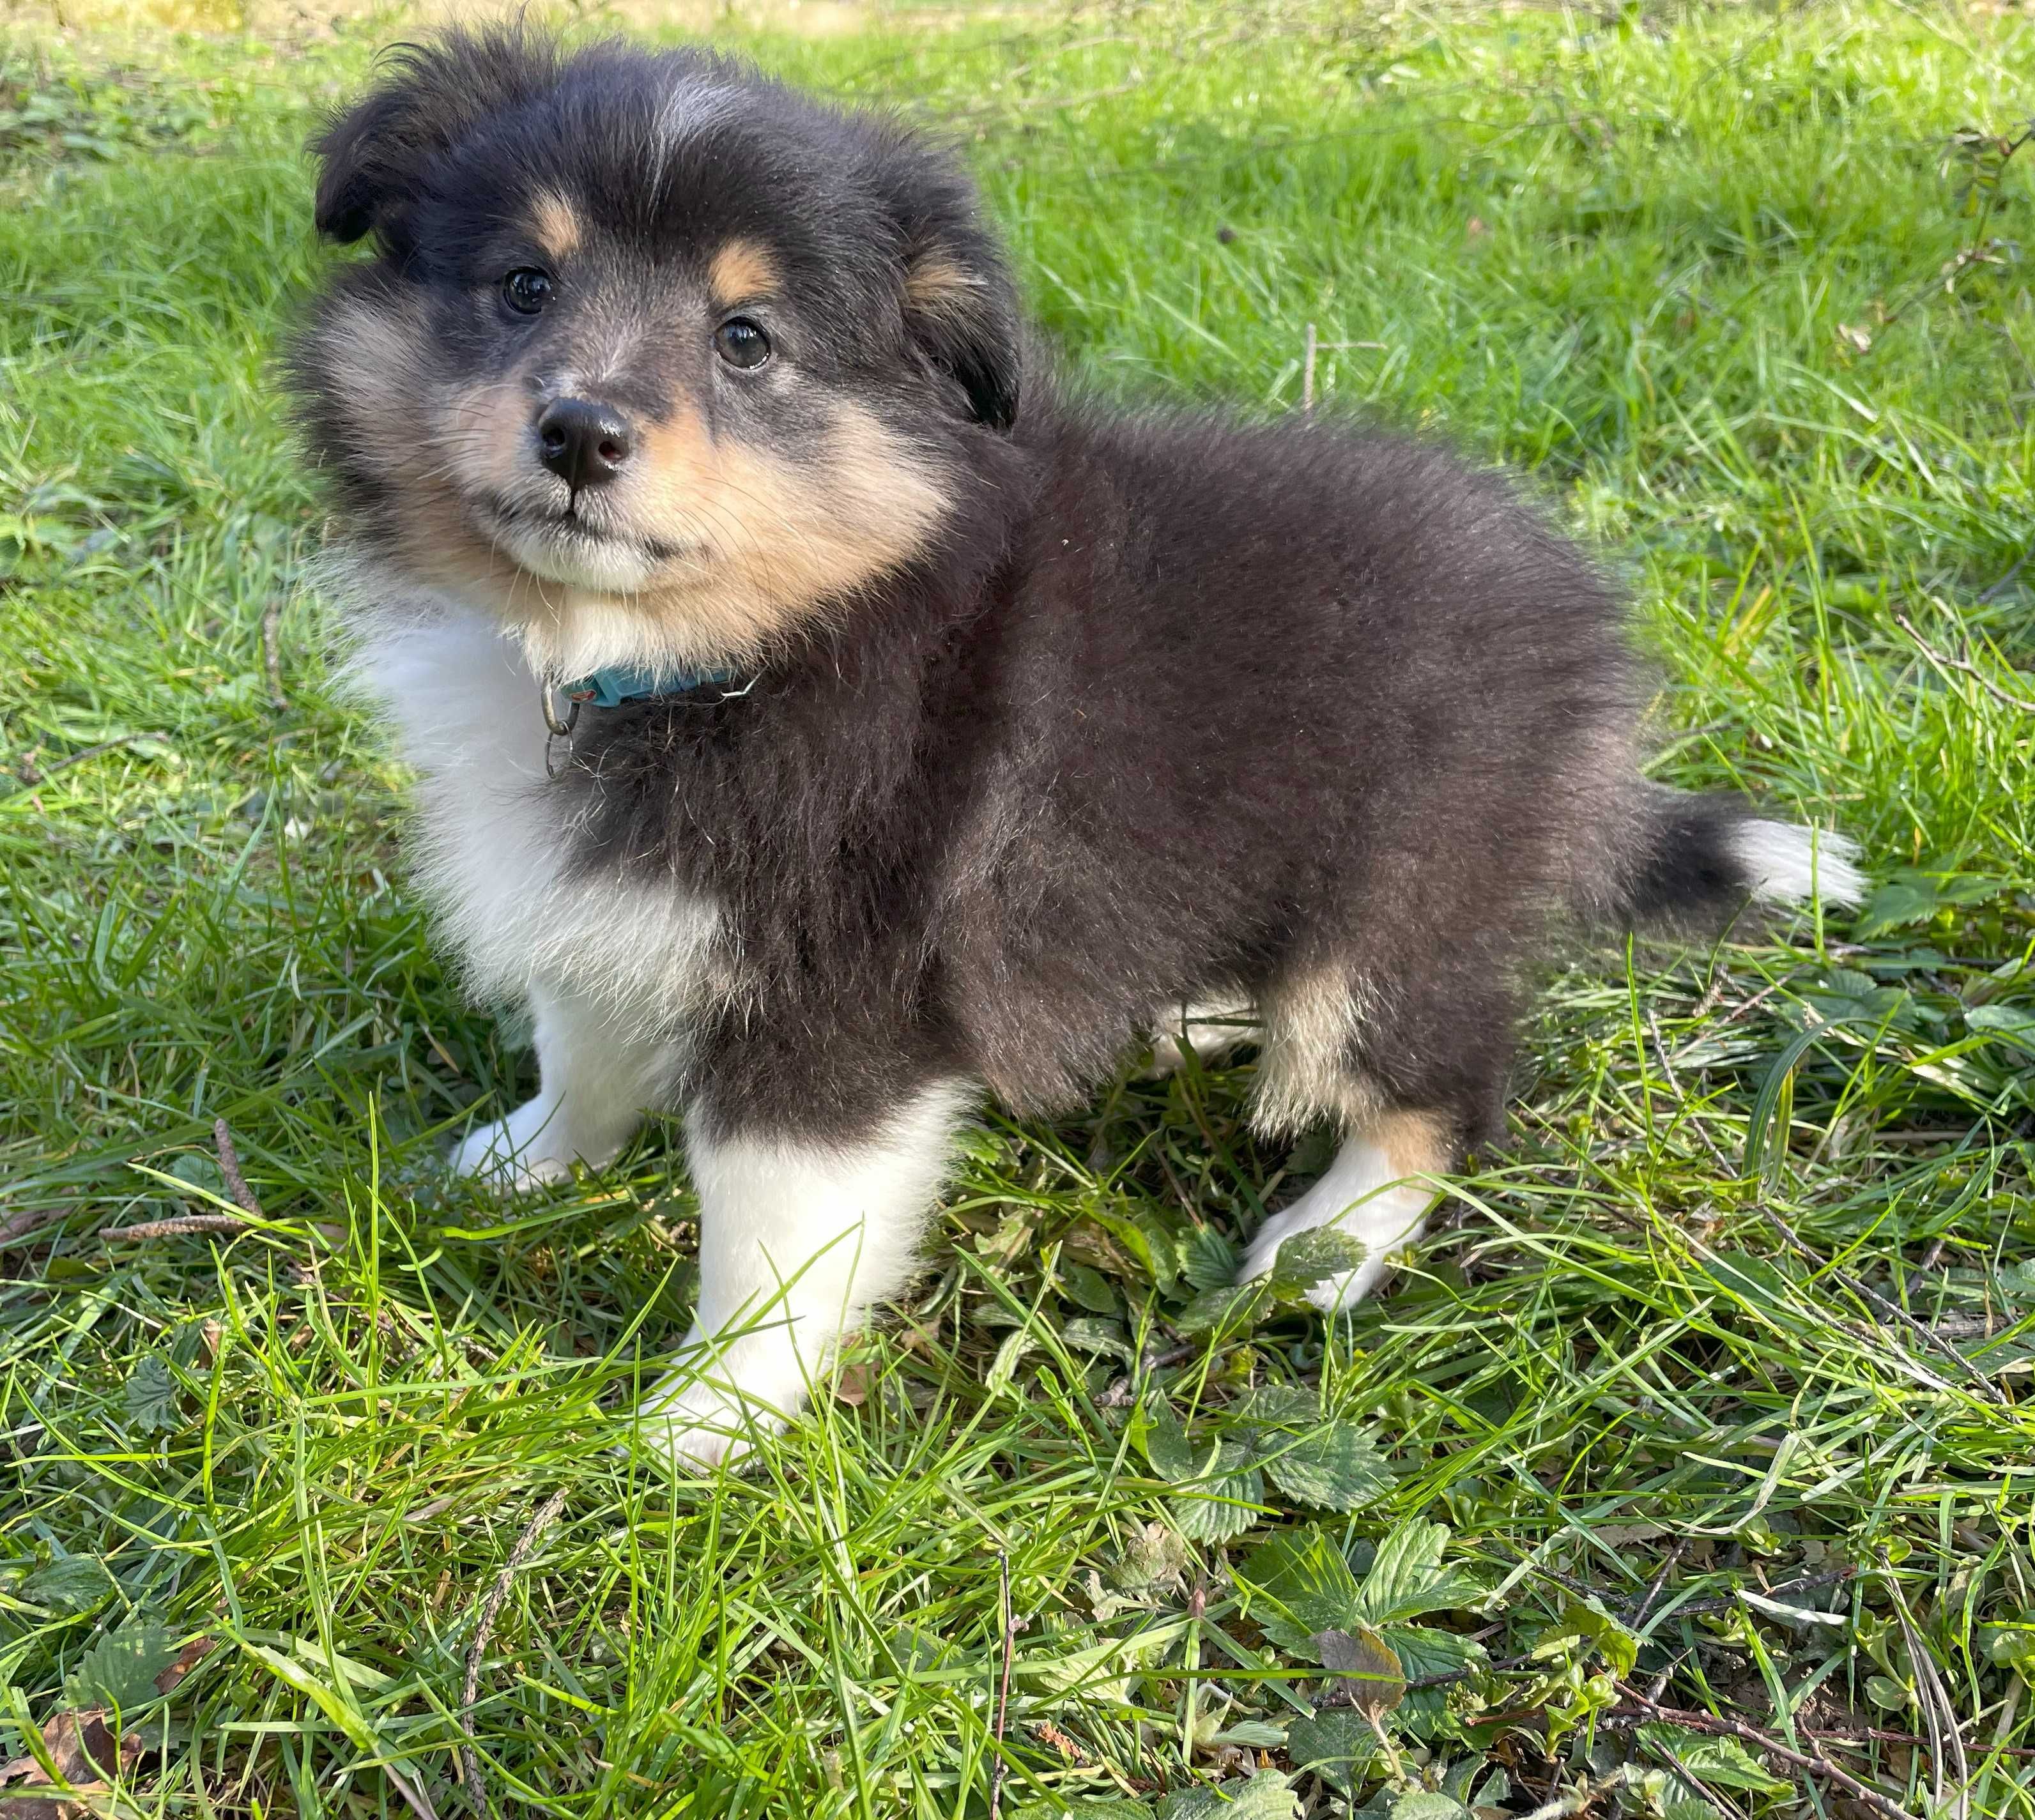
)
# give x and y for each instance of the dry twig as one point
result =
(1963, 665)
(484, 1630)
(180, 1226)
(229, 1167)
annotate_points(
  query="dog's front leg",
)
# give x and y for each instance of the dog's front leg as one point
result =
(595, 1080)
(799, 1236)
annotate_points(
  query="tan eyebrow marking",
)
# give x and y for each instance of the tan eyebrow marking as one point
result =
(557, 225)
(740, 269)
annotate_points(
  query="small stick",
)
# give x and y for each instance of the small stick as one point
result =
(1817, 1766)
(547, 1512)
(1003, 1685)
(1308, 373)
(1963, 664)
(182, 1226)
(229, 1167)
(271, 653)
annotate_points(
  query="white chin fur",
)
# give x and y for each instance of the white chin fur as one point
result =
(1789, 864)
(604, 568)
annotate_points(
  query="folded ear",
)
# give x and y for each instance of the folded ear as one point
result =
(961, 308)
(433, 96)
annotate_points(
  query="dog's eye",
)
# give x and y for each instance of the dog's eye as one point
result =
(740, 343)
(526, 290)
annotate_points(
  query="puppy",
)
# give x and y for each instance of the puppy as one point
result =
(821, 720)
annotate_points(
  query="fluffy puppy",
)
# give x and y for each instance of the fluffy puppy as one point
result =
(822, 721)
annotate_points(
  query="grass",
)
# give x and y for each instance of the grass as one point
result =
(1717, 1379)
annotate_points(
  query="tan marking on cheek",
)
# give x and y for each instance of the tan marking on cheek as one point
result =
(555, 225)
(777, 539)
(740, 270)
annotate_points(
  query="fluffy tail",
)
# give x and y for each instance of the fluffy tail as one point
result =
(1697, 859)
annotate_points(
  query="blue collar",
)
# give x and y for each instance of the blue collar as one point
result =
(610, 688)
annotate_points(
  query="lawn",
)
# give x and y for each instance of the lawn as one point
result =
(1707, 1406)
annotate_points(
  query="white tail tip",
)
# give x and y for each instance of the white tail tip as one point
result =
(1792, 865)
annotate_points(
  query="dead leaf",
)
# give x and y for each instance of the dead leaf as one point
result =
(85, 1754)
(188, 1658)
(1475, 228)
(1378, 1682)
(852, 1387)
(1857, 337)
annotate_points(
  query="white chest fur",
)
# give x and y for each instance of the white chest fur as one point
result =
(493, 842)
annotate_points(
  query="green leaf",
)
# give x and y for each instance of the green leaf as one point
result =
(120, 1669)
(1587, 1620)
(1088, 1287)
(1228, 1308)
(1688, 1807)
(150, 1396)
(1337, 1467)
(1361, 1658)
(1266, 1796)
(73, 1583)
(1003, 1367)
(1337, 1744)
(1210, 1261)
(1223, 1504)
(1154, 1556)
(1306, 1257)
(1277, 1406)
(1297, 1586)
(1423, 1650)
(1407, 1578)
(2011, 1646)
(1426, 1804)
(1159, 1437)
(1722, 1761)
(2011, 1021)
(1087, 1333)
(1906, 901)
(1253, 1732)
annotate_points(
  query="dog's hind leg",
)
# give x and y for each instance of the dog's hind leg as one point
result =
(1408, 1067)
(594, 1084)
(1378, 1190)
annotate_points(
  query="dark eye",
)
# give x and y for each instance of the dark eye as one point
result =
(740, 343)
(526, 290)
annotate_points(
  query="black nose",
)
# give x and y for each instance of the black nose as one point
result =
(584, 443)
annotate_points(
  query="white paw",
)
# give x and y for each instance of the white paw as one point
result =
(1331, 1293)
(528, 1149)
(712, 1408)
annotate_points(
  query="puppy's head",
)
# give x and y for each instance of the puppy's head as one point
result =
(655, 358)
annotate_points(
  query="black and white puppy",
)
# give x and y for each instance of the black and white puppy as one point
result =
(930, 734)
